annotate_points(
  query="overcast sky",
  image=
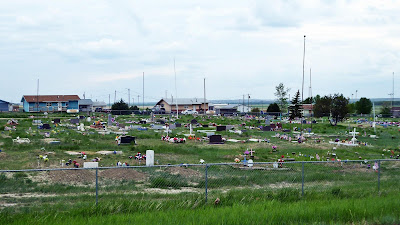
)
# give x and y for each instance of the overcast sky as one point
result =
(240, 47)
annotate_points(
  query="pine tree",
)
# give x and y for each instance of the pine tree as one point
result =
(294, 108)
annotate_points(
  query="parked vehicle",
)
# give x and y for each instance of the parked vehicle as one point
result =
(189, 112)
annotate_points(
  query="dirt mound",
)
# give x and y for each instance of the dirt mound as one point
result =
(122, 174)
(183, 171)
(72, 176)
(3, 155)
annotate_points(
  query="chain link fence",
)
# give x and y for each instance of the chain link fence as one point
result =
(195, 184)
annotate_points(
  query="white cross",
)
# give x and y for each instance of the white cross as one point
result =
(251, 152)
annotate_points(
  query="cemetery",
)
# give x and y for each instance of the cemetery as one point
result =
(129, 155)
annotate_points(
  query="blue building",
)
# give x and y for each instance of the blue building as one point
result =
(5, 106)
(49, 103)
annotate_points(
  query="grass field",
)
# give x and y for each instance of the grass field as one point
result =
(336, 192)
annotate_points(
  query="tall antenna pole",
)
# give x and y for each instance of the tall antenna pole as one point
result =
(176, 92)
(109, 100)
(143, 92)
(302, 86)
(115, 96)
(204, 96)
(393, 90)
(129, 97)
(138, 100)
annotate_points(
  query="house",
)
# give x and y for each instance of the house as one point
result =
(169, 104)
(98, 106)
(307, 110)
(5, 106)
(85, 105)
(49, 103)
(231, 108)
(395, 112)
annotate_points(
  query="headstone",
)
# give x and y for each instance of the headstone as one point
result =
(172, 126)
(57, 121)
(82, 127)
(90, 164)
(149, 157)
(152, 117)
(194, 121)
(89, 119)
(81, 117)
(266, 128)
(178, 125)
(162, 122)
(275, 165)
(46, 126)
(250, 163)
(74, 121)
(205, 125)
(143, 122)
(216, 139)
(121, 125)
(273, 126)
(229, 127)
(221, 128)
(109, 121)
(36, 122)
(127, 139)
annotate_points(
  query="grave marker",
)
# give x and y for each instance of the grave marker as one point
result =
(149, 157)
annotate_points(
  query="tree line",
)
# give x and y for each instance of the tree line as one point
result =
(335, 106)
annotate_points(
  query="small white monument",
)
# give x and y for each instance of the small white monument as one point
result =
(90, 164)
(149, 157)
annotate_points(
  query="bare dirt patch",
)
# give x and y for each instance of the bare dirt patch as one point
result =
(3, 155)
(70, 176)
(185, 172)
(123, 174)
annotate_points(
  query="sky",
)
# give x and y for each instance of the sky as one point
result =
(239, 47)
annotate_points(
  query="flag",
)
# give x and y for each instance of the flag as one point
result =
(317, 156)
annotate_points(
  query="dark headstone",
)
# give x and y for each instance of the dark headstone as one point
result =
(216, 139)
(81, 117)
(127, 139)
(273, 126)
(266, 128)
(286, 130)
(194, 121)
(162, 122)
(143, 122)
(121, 125)
(205, 125)
(74, 121)
(57, 121)
(46, 126)
(221, 128)
(178, 125)
(279, 125)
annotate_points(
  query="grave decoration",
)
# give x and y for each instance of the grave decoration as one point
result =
(237, 160)
(202, 161)
(12, 122)
(173, 140)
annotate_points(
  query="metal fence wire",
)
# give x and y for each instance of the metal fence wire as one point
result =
(204, 182)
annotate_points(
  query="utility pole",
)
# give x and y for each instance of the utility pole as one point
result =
(204, 96)
(109, 100)
(129, 97)
(143, 92)
(248, 102)
(138, 100)
(243, 103)
(393, 91)
(115, 96)
(302, 86)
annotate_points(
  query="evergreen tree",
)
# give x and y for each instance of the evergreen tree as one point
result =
(273, 108)
(295, 107)
(364, 106)
(121, 105)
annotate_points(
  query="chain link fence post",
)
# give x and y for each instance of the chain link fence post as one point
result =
(379, 176)
(302, 179)
(97, 186)
(206, 181)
